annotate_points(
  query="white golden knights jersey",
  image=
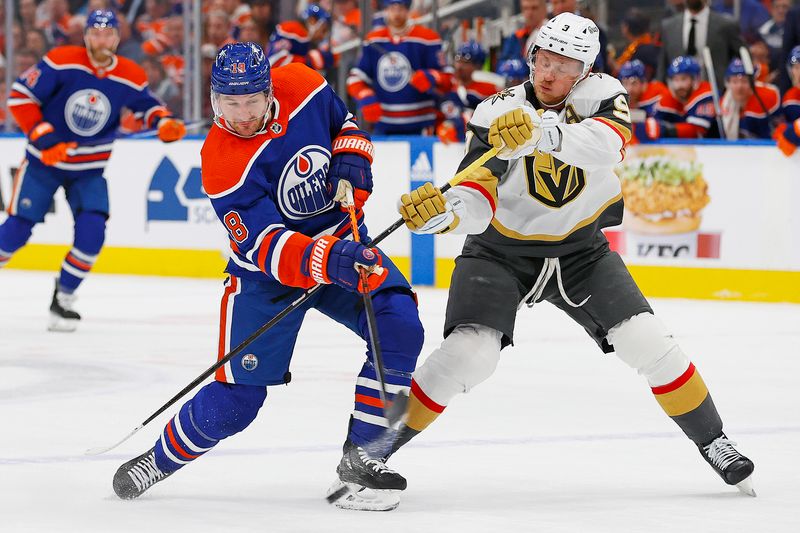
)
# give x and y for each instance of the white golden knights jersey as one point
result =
(547, 205)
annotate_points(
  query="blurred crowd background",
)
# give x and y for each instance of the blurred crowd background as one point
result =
(159, 35)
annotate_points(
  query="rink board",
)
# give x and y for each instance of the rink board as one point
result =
(746, 248)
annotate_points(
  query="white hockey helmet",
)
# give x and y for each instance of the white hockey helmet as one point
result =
(569, 35)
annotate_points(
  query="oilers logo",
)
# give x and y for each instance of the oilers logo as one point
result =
(249, 362)
(87, 112)
(394, 71)
(302, 191)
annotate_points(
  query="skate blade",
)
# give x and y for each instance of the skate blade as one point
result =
(63, 325)
(354, 497)
(745, 486)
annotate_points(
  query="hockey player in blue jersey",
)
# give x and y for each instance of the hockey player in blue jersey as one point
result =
(283, 146)
(69, 106)
(399, 74)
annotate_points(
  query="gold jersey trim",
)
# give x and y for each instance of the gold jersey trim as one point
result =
(511, 234)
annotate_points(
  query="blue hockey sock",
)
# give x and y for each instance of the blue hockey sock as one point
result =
(217, 411)
(90, 230)
(401, 336)
(14, 233)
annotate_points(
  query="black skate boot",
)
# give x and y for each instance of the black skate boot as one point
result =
(138, 475)
(365, 483)
(62, 317)
(733, 467)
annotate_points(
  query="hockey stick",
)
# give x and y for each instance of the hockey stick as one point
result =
(303, 298)
(747, 63)
(712, 79)
(372, 324)
(144, 134)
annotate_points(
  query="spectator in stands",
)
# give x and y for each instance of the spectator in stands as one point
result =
(250, 32)
(129, 45)
(346, 17)
(516, 46)
(642, 46)
(23, 60)
(261, 14)
(75, 29)
(748, 113)
(752, 14)
(687, 34)
(218, 29)
(57, 28)
(303, 41)
(171, 53)
(563, 6)
(687, 110)
(759, 54)
(791, 38)
(788, 134)
(36, 41)
(772, 30)
(151, 27)
(161, 85)
(26, 14)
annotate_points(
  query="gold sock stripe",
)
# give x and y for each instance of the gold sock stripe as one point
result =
(685, 398)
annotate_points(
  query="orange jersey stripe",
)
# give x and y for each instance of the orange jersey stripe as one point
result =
(219, 375)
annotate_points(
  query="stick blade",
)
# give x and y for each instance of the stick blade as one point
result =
(103, 449)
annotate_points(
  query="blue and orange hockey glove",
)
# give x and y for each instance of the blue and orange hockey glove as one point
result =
(351, 167)
(53, 150)
(171, 129)
(788, 137)
(330, 260)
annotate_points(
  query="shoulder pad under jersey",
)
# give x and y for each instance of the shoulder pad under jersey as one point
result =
(497, 104)
(596, 88)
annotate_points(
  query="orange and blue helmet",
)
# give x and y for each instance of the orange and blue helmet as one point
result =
(241, 68)
(735, 68)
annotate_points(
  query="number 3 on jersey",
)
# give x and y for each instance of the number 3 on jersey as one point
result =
(235, 226)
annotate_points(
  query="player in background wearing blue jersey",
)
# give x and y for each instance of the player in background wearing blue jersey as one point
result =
(69, 106)
(399, 75)
(281, 152)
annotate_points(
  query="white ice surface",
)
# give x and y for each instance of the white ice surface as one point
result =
(560, 439)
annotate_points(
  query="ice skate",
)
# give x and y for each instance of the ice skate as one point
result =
(138, 475)
(62, 316)
(733, 467)
(365, 483)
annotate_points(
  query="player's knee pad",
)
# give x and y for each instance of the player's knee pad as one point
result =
(14, 233)
(401, 331)
(466, 358)
(221, 409)
(645, 344)
(90, 231)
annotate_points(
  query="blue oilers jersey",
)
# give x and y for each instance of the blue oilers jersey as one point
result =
(791, 104)
(758, 114)
(82, 102)
(270, 191)
(386, 66)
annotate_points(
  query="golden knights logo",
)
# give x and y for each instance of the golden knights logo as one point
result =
(502, 95)
(551, 181)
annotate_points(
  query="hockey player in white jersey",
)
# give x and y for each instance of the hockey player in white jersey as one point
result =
(533, 216)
